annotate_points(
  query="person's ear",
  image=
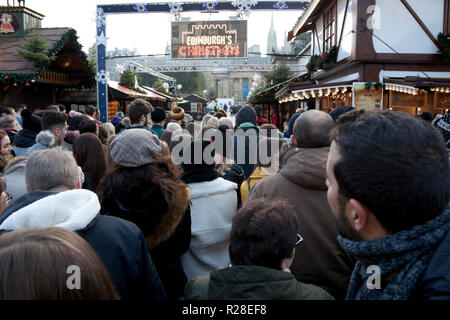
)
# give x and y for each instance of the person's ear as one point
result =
(359, 215)
(78, 184)
(287, 262)
(143, 118)
(28, 189)
(294, 141)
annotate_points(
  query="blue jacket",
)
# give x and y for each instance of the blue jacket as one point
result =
(120, 244)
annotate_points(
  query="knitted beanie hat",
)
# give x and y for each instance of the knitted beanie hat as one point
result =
(246, 114)
(134, 148)
(158, 115)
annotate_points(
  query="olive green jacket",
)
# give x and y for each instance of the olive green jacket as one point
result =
(252, 283)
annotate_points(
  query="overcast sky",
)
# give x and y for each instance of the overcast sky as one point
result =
(150, 32)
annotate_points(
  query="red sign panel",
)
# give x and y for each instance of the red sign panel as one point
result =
(209, 39)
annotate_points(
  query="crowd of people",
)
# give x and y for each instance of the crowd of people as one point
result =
(348, 205)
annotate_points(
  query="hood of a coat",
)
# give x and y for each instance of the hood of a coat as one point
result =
(73, 210)
(307, 168)
(150, 212)
(251, 282)
(20, 166)
(208, 188)
(25, 138)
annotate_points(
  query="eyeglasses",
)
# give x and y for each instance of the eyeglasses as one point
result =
(299, 240)
(8, 198)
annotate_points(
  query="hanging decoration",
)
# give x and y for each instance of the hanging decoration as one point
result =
(140, 7)
(244, 7)
(210, 5)
(102, 77)
(175, 9)
(100, 18)
(101, 39)
(280, 5)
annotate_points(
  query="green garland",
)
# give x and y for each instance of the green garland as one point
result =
(17, 78)
(70, 35)
(370, 84)
(318, 62)
(444, 42)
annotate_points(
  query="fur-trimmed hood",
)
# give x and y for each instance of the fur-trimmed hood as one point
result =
(46, 138)
(147, 208)
(167, 226)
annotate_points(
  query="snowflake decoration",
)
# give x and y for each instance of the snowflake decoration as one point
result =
(101, 39)
(175, 9)
(244, 6)
(210, 5)
(140, 7)
(280, 5)
(102, 77)
(101, 19)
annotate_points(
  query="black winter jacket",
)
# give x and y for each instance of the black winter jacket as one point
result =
(119, 243)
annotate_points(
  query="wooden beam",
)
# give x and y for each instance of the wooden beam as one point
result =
(343, 25)
(446, 28)
(317, 37)
(420, 22)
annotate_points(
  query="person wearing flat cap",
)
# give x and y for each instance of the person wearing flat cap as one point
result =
(159, 119)
(144, 187)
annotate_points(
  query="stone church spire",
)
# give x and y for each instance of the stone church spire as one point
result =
(272, 38)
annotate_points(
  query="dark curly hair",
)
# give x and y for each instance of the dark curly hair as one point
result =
(147, 188)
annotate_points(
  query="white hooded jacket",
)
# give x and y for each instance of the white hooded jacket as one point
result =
(213, 206)
(73, 210)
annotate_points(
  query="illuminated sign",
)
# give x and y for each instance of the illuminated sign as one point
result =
(209, 39)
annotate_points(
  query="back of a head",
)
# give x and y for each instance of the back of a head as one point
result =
(394, 164)
(51, 168)
(312, 129)
(137, 109)
(87, 126)
(205, 120)
(263, 233)
(52, 108)
(53, 119)
(246, 114)
(226, 122)
(174, 127)
(90, 156)
(74, 123)
(213, 122)
(37, 263)
(7, 122)
(336, 113)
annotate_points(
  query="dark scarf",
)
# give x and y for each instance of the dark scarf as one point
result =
(198, 173)
(409, 251)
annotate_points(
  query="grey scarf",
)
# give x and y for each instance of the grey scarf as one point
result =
(409, 251)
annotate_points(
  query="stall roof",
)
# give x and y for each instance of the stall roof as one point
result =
(148, 94)
(160, 94)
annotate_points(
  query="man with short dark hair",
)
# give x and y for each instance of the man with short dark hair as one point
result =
(159, 120)
(263, 241)
(55, 198)
(389, 188)
(139, 112)
(54, 128)
(301, 181)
